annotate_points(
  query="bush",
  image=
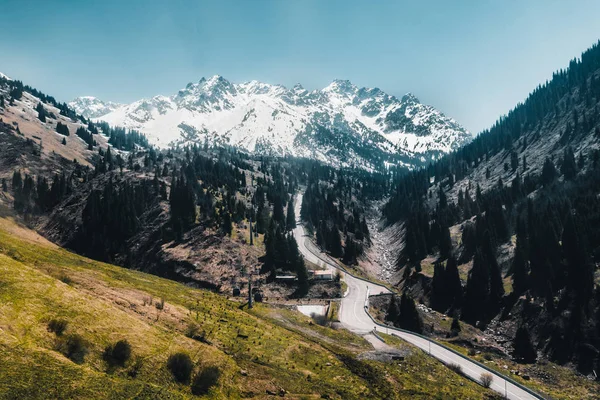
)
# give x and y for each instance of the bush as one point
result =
(117, 354)
(180, 365)
(204, 380)
(57, 326)
(455, 367)
(160, 305)
(73, 347)
(136, 367)
(486, 379)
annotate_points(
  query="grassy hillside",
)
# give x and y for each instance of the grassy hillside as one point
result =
(263, 351)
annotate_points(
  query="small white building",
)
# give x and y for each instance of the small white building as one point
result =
(322, 275)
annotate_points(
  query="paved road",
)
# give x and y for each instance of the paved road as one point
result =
(354, 317)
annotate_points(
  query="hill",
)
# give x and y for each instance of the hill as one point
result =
(512, 216)
(257, 352)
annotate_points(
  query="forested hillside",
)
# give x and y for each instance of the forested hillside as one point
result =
(518, 210)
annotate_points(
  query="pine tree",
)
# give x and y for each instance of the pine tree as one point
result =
(290, 216)
(453, 283)
(41, 112)
(226, 223)
(477, 290)
(393, 311)
(548, 172)
(524, 350)
(410, 319)
(568, 167)
(64, 142)
(455, 326)
(445, 242)
(439, 296)
(580, 272)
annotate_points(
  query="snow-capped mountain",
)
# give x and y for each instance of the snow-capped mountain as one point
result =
(340, 124)
(92, 107)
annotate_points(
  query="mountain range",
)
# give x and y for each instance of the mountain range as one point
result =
(342, 124)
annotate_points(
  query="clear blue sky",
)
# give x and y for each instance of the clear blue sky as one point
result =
(474, 60)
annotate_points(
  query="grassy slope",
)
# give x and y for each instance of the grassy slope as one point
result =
(265, 349)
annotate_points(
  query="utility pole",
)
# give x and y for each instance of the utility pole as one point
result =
(249, 290)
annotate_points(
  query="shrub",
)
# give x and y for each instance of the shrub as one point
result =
(180, 365)
(64, 278)
(486, 379)
(455, 367)
(57, 326)
(160, 304)
(455, 327)
(117, 354)
(136, 366)
(73, 347)
(204, 380)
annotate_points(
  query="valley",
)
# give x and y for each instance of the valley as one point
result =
(164, 248)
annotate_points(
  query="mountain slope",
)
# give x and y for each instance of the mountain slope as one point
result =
(515, 213)
(340, 124)
(259, 353)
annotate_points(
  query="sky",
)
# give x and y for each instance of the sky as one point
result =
(472, 59)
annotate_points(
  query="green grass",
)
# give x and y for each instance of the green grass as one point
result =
(266, 348)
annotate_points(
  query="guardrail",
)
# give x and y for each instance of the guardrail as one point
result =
(494, 372)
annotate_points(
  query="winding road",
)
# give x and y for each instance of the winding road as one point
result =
(354, 316)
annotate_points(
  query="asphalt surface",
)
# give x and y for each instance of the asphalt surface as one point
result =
(353, 315)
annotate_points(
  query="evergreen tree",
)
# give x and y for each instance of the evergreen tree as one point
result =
(568, 167)
(410, 319)
(477, 290)
(548, 172)
(580, 272)
(226, 222)
(445, 242)
(439, 295)
(524, 350)
(453, 283)
(64, 142)
(41, 112)
(393, 311)
(290, 216)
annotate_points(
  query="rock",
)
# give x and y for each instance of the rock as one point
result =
(328, 364)
(526, 377)
(244, 372)
(271, 393)
(282, 392)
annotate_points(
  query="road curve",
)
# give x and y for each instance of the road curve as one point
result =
(354, 316)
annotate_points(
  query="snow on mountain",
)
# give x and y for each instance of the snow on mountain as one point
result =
(340, 124)
(92, 107)
(3, 76)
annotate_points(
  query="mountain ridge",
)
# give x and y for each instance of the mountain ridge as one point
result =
(340, 124)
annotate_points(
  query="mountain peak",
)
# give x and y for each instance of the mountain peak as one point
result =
(367, 123)
(410, 98)
(340, 86)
